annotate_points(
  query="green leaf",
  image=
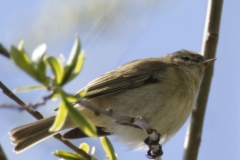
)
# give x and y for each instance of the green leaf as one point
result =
(60, 118)
(21, 59)
(29, 88)
(68, 155)
(71, 98)
(82, 121)
(81, 93)
(76, 97)
(92, 153)
(20, 46)
(78, 67)
(85, 147)
(39, 52)
(38, 61)
(56, 67)
(72, 60)
(55, 96)
(108, 148)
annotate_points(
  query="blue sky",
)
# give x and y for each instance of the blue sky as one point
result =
(150, 30)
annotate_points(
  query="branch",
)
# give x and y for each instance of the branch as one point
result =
(19, 108)
(2, 154)
(42, 102)
(11, 106)
(155, 149)
(11, 95)
(39, 116)
(193, 135)
(3, 51)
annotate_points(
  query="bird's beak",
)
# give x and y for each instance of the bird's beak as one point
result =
(208, 62)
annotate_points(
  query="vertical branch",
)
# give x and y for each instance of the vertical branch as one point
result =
(2, 154)
(210, 39)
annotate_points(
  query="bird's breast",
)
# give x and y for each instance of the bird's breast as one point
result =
(164, 106)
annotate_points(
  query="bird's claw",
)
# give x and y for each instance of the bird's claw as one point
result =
(152, 155)
(152, 144)
(148, 141)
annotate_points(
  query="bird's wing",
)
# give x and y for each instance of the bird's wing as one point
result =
(131, 75)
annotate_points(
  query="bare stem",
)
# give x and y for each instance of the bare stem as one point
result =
(210, 39)
(19, 108)
(42, 102)
(2, 154)
(11, 106)
(3, 51)
(11, 95)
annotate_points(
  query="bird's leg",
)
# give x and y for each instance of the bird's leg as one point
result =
(155, 149)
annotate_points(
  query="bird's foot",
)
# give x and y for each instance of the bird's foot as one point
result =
(155, 149)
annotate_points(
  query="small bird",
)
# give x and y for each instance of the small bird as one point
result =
(161, 90)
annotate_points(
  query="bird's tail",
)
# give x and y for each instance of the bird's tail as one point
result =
(28, 135)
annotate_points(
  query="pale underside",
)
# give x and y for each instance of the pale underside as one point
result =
(164, 108)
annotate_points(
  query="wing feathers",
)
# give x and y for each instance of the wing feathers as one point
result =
(128, 76)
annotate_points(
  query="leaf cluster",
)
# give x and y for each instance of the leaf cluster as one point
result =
(36, 67)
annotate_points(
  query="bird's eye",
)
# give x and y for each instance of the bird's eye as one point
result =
(185, 58)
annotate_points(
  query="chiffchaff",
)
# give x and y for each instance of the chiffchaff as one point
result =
(161, 90)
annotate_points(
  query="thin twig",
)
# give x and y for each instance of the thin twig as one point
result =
(38, 116)
(11, 95)
(11, 106)
(42, 102)
(31, 105)
(3, 51)
(193, 136)
(2, 154)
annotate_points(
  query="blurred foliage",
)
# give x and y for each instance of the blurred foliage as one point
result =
(108, 148)
(61, 74)
(36, 68)
(86, 148)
